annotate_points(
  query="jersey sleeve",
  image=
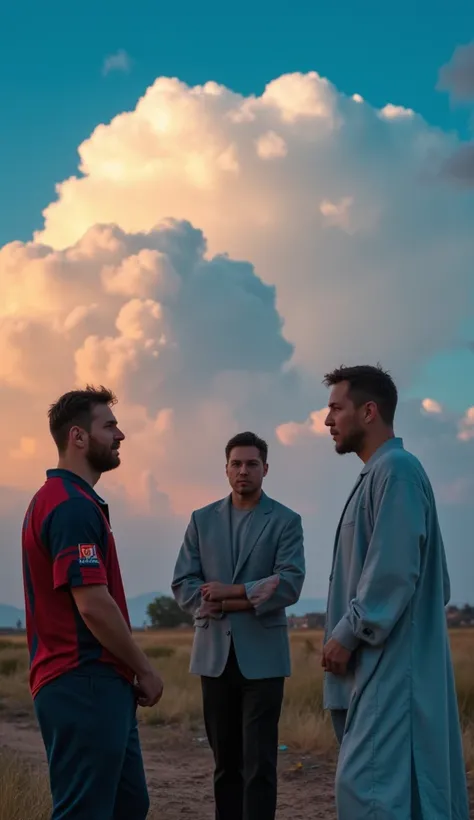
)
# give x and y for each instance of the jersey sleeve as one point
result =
(76, 538)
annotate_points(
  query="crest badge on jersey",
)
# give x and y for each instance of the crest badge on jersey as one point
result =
(88, 555)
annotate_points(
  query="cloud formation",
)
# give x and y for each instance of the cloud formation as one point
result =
(339, 205)
(431, 406)
(457, 76)
(146, 313)
(218, 255)
(120, 61)
(292, 432)
(460, 166)
(466, 426)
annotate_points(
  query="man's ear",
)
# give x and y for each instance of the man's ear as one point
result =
(371, 412)
(78, 436)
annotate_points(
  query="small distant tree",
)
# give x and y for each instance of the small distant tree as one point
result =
(164, 613)
(19, 624)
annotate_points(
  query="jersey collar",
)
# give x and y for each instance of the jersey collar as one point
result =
(68, 475)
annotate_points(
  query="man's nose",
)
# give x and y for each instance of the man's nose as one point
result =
(328, 421)
(119, 435)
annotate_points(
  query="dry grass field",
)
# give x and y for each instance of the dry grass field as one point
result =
(178, 761)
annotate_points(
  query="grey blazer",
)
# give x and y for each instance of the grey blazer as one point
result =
(260, 635)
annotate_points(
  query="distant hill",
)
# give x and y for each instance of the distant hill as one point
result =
(137, 606)
(10, 615)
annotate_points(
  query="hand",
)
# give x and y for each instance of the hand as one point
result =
(209, 609)
(335, 657)
(149, 687)
(215, 591)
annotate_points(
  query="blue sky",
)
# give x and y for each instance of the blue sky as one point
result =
(53, 93)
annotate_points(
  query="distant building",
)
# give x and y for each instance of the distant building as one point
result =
(316, 620)
(457, 618)
(297, 621)
(313, 620)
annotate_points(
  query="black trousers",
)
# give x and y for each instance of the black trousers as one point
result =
(241, 718)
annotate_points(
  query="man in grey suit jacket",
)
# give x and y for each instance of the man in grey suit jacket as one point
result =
(241, 563)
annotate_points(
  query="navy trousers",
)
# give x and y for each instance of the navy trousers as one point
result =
(88, 722)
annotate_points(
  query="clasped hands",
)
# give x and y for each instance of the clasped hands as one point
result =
(335, 657)
(214, 593)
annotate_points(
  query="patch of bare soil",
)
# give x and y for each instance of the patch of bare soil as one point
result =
(179, 771)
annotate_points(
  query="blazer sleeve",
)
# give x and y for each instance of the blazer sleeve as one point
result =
(289, 567)
(188, 576)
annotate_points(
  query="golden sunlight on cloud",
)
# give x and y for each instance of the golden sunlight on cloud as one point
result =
(431, 406)
(337, 213)
(466, 427)
(26, 449)
(292, 432)
(149, 316)
(396, 112)
(271, 146)
(320, 193)
(300, 96)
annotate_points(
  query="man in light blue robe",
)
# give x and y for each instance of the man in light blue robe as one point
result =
(389, 680)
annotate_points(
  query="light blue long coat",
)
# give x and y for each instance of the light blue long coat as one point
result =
(401, 756)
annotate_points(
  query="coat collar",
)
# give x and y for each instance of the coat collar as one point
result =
(392, 444)
(264, 506)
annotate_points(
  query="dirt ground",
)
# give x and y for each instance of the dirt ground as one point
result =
(179, 774)
(179, 771)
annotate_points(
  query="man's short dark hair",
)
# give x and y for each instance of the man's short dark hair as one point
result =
(368, 383)
(76, 408)
(247, 440)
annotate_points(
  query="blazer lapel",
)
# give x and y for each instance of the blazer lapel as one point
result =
(260, 519)
(223, 539)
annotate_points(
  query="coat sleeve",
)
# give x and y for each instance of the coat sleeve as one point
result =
(289, 567)
(391, 567)
(188, 576)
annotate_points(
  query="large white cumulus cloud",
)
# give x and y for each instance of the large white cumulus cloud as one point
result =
(145, 313)
(217, 255)
(192, 346)
(338, 204)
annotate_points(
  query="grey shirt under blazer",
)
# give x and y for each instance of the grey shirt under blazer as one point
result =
(274, 546)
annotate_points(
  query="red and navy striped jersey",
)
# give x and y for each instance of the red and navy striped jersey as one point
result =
(66, 542)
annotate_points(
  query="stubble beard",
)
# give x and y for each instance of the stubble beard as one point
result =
(353, 443)
(102, 459)
(247, 492)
